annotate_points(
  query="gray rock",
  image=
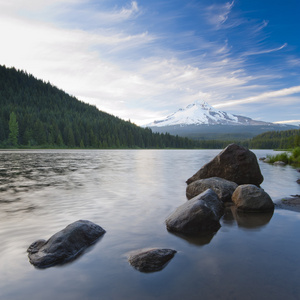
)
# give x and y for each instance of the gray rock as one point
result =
(267, 160)
(234, 163)
(65, 245)
(222, 187)
(200, 214)
(279, 163)
(151, 260)
(250, 198)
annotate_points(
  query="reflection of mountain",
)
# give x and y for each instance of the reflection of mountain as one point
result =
(246, 220)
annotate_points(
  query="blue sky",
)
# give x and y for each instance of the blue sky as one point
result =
(142, 60)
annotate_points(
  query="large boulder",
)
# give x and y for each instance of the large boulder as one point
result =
(151, 260)
(234, 163)
(65, 245)
(250, 198)
(222, 187)
(200, 214)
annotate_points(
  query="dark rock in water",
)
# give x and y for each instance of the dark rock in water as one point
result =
(65, 245)
(152, 260)
(222, 187)
(250, 198)
(234, 163)
(298, 181)
(198, 215)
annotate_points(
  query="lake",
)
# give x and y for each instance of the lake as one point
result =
(130, 193)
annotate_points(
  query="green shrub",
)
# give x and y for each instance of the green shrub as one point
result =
(295, 157)
(280, 157)
(287, 157)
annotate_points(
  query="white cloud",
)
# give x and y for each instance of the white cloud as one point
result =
(218, 14)
(266, 96)
(288, 122)
(264, 51)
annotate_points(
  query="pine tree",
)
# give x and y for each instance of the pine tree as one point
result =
(13, 130)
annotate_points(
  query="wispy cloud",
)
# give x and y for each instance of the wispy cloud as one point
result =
(117, 15)
(288, 122)
(264, 51)
(262, 97)
(217, 14)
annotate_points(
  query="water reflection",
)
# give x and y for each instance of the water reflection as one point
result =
(246, 220)
(130, 194)
(197, 239)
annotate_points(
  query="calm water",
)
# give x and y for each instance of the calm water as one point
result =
(130, 194)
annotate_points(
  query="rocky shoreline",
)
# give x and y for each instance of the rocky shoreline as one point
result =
(227, 185)
(289, 203)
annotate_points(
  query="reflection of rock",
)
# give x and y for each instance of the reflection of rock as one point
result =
(222, 187)
(151, 260)
(249, 221)
(197, 239)
(234, 163)
(200, 214)
(228, 217)
(65, 245)
(250, 198)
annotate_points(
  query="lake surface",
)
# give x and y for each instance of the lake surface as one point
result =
(130, 194)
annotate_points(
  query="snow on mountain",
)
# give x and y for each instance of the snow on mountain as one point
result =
(201, 113)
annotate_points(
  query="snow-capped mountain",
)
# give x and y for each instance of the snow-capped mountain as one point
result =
(201, 113)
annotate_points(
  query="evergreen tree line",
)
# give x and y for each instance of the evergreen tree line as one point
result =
(36, 114)
(287, 139)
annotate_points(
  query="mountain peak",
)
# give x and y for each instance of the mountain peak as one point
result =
(201, 113)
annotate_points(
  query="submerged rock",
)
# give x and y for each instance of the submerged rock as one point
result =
(289, 203)
(222, 187)
(234, 163)
(200, 214)
(249, 197)
(151, 260)
(65, 245)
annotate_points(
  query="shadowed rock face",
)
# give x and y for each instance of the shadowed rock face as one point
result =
(250, 198)
(198, 215)
(234, 163)
(151, 260)
(222, 187)
(65, 245)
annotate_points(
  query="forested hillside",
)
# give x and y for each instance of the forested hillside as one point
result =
(36, 114)
(276, 140)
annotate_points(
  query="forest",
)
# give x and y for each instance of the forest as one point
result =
(287, 139)
(36, 114)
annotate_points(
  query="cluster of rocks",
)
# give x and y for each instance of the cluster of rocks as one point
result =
(233, 176)
(276, 163)
(69, 243)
